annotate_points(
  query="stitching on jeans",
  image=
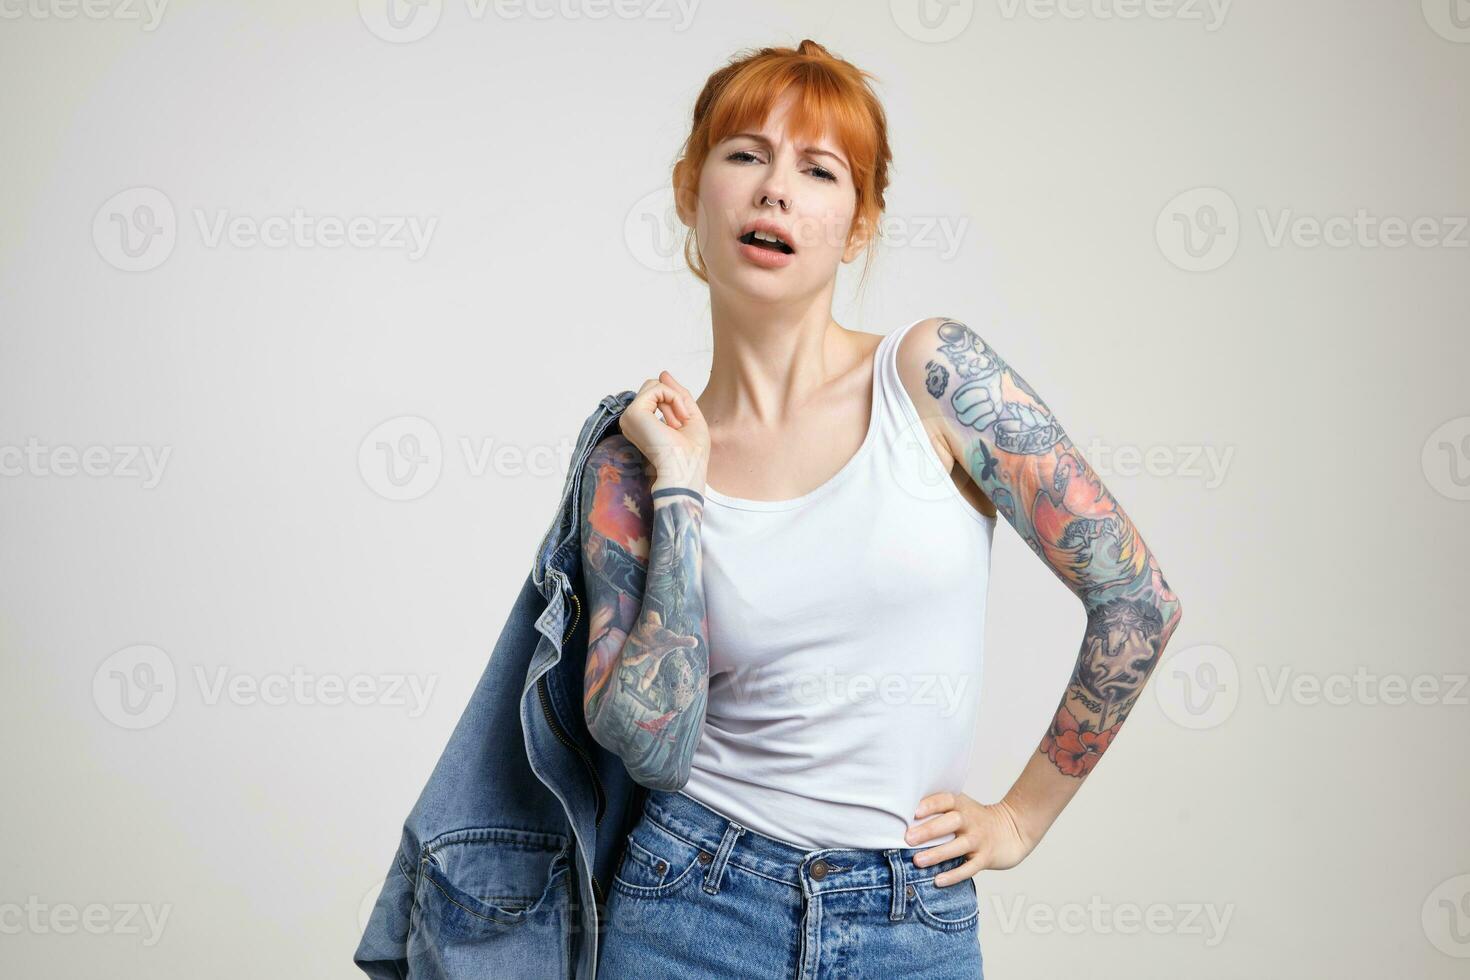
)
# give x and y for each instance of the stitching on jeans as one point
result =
(939, 922)
(716, 873)
(732, 862)
(664, 890)
(897, 907)
(516, 914)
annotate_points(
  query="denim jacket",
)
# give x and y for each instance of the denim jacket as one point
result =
(504, 862)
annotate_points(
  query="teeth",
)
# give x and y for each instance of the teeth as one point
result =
(767, 237)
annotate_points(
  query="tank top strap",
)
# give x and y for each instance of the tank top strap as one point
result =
(888, 391)
(907, 460)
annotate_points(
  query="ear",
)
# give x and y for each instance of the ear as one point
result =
(685, 195)
(858, 239)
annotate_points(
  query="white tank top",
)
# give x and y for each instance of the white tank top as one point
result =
(846, 629)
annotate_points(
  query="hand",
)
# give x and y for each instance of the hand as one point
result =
(989, 835)
(678, 443)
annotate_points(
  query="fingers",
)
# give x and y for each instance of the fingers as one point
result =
(945, 823)
(969, 869)
(958, 847)
(684, 401)
(654, 394)
(668, 379)
(935, 803)
(664, 394)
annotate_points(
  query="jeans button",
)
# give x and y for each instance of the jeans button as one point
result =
(908, 890)
(819, 869)
(705, 857)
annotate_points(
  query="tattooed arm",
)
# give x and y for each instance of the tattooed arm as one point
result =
(647, 659)
(1010, 444)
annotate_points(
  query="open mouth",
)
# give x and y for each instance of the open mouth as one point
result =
(761, 239)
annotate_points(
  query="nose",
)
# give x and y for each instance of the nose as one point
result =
(774, 194)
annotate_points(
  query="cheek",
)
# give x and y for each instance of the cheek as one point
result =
(720, 197)
(827, 226)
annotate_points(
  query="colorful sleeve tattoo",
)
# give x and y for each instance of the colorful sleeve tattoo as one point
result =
(647, 657)
(1015, 450)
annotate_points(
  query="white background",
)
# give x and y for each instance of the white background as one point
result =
(1039, 161)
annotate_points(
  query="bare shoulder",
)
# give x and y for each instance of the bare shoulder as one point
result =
(922, 365)
(937, 359)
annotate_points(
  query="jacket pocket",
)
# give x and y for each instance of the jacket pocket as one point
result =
(492, 902)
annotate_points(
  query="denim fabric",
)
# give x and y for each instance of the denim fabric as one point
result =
(504, 862)
(698, 895)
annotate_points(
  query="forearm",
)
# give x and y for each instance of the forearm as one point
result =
(1125, 637)
(652, 710)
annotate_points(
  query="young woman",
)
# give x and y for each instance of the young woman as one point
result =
(791, 662)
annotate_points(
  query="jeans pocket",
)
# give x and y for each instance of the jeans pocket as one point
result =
(492, 902)
(948, 908)
(657, 862)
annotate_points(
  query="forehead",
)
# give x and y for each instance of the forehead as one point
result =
(822, 143)
(788, 117)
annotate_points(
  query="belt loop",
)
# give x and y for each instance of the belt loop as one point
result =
(717, 867)
(896, 910)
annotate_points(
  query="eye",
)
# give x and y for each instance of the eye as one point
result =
(745, 156)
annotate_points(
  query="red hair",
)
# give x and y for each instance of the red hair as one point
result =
(830, 92)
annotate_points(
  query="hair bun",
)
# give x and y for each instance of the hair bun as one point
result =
(810, 47)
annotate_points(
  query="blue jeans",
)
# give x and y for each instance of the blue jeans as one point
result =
(697, 894)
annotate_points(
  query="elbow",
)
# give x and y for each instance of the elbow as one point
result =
(670, 778)
(1170, 611)
(1171, 608)
(661, 781)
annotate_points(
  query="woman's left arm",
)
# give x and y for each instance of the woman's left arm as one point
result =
(1014, 448)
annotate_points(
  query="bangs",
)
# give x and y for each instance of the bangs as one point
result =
(824, 105)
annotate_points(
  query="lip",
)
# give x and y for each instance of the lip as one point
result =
(770, 228)
(764, 257)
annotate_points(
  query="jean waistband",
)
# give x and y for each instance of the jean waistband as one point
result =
(823, 869)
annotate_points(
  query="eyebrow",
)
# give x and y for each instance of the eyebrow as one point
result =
(812, 150)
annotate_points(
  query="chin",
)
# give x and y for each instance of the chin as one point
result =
(761, 284)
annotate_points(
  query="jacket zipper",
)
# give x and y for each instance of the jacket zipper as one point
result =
(571, 743)
(568, 741)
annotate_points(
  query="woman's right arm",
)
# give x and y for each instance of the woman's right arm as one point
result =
(647, 656)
